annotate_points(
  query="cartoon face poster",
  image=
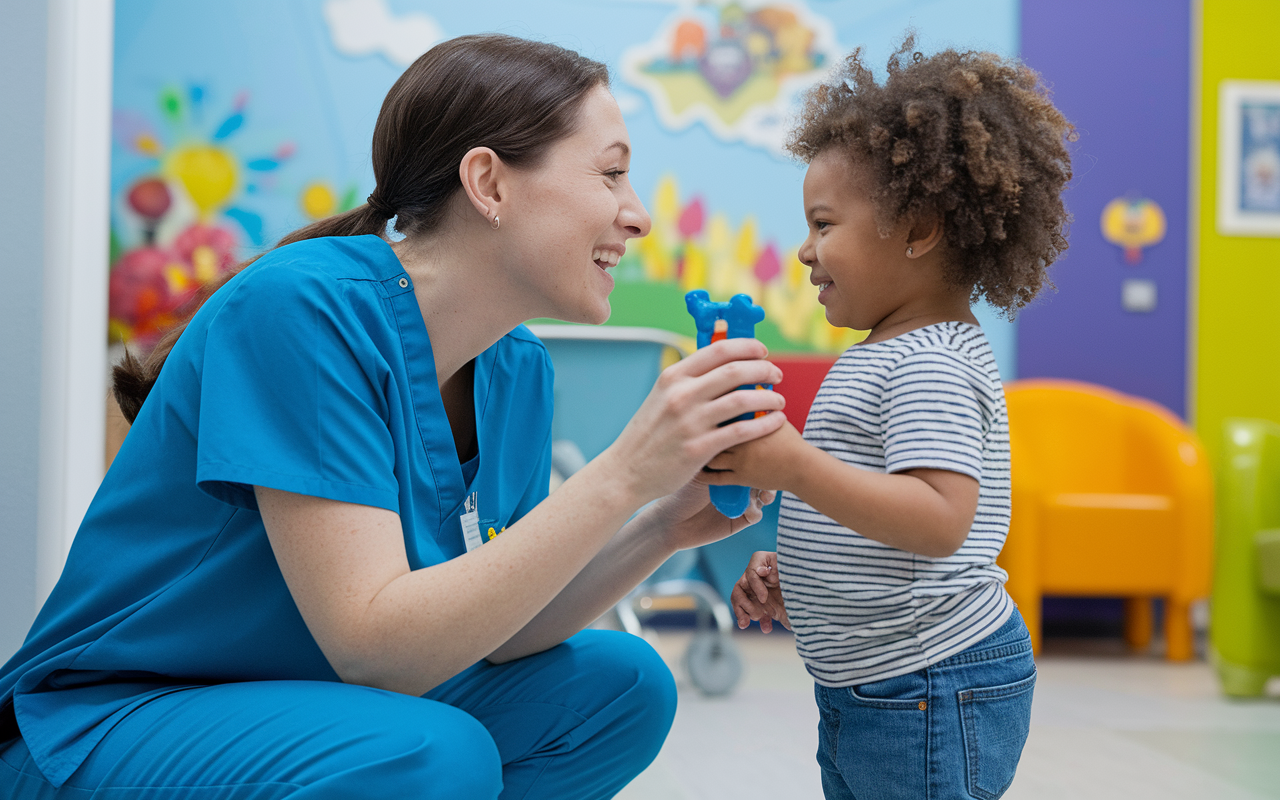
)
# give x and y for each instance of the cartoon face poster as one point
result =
(238, 121)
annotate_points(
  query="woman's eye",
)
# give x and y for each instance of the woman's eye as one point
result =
(615, 174)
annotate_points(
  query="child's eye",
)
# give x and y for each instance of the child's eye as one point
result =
(820, 224)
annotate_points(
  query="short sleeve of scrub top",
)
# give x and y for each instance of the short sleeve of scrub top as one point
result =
(310, 372)
(293, 394)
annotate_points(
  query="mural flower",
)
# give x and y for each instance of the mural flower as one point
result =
(187, 208)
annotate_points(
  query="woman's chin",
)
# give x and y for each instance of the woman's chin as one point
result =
(601, 315)
(597, 314)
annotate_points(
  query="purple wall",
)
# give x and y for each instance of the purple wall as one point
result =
(1119, 70)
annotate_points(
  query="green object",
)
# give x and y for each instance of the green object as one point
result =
(1245, 621)
(348, 200)
(114, 248)
(171, 103)
(1268, 544)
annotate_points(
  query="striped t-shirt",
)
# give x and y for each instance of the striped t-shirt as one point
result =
(863, 611)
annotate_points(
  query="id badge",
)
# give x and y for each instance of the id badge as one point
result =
(470, 520)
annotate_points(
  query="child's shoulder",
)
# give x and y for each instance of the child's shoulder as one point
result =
(955, 353)
(958, 341)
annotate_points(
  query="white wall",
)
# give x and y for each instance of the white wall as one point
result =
(55, 87)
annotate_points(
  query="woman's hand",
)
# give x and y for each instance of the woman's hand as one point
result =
(758, 594)
(677, 429)
(690, 520)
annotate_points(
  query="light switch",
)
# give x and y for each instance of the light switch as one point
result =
(1138, 295)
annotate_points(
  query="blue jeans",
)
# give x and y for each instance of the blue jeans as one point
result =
(952, 730)
(577, 721)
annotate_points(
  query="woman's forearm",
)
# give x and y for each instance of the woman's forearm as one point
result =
(630, 556)
(381, 624)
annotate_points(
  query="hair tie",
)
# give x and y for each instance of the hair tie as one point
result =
(376, 203)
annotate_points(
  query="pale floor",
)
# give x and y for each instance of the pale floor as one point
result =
(1105, 724)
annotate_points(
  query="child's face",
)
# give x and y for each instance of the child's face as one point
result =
(864, 278)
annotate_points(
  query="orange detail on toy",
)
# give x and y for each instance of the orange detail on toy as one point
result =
(721, 331)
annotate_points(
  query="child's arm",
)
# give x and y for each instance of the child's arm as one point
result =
(758, 594)
(924, 511)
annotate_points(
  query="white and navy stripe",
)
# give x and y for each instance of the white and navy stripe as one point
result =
(863, 611)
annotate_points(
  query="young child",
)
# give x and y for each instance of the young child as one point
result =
(923, 194)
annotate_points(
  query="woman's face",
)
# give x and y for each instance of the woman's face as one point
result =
(571, 217)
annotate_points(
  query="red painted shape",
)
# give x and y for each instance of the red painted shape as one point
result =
(802, 374)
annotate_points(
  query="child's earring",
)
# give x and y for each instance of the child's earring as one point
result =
(910, 252)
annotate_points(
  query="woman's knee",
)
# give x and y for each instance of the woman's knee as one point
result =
(639, 682)
(452, 755)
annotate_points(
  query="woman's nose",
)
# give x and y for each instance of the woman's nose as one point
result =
(633, 216)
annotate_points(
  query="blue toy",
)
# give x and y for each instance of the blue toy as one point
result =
(735, 319)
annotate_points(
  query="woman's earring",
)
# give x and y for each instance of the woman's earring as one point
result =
(910, 252)
(494, 224)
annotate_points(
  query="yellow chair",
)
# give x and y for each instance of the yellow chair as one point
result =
(1112, 497)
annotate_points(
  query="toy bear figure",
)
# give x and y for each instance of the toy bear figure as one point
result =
(735, 319)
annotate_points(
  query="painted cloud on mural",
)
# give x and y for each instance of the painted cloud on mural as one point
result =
(736, 67)
(367, 27)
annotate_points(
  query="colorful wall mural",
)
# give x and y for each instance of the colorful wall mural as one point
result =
(733, 68)
(219, 91)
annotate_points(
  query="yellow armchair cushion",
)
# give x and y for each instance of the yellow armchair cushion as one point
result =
(1107, 544)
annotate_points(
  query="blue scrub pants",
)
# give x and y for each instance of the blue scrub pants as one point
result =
(577, 721)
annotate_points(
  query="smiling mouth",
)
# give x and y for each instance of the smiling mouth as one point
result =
(605, 258)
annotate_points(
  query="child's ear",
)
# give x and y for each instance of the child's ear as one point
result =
(924, 235)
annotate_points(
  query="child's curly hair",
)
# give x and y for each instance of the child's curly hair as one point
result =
(968, 136)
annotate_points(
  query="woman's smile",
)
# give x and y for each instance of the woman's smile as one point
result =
(606, 257)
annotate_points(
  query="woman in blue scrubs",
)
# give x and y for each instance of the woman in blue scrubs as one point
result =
(324, 564)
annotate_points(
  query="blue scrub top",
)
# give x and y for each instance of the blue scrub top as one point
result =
(310, 372)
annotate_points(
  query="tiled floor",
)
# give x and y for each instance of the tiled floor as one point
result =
(1106, 724)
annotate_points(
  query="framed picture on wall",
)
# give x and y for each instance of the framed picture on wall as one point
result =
(1249, 158)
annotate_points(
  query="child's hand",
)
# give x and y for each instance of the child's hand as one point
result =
(758, 594)
(765, 463)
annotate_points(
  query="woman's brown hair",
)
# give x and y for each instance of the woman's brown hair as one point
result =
(515, 96)
(967, 137)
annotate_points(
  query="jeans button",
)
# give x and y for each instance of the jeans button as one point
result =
(923, 705)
